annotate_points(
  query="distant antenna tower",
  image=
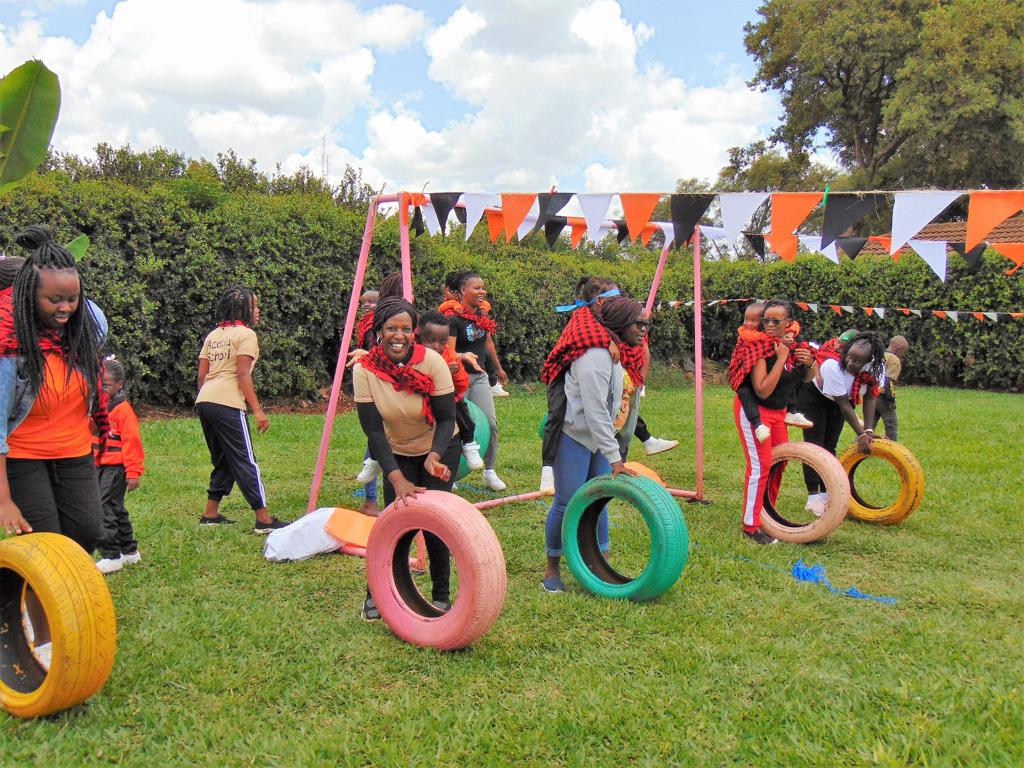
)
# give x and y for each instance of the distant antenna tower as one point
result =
(323, 157)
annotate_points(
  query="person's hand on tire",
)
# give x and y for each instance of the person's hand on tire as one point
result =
(435, 468)
(864, 440)
(404, 490)
(11, 521)
(619, 468)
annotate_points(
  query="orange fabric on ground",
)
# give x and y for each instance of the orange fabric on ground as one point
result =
(57, 427)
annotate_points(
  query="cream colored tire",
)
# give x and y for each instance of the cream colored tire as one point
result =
(774, 522)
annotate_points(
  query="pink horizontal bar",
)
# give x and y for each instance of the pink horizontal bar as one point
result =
(510, 499)
(683, 494)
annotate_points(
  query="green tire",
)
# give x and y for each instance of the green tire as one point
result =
(665, 522)
(481, 433)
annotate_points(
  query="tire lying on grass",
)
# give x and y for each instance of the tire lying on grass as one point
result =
(665, 523)
(836, 484)
(479, 563)
(80, 615)
(481, 433)
(911, 482)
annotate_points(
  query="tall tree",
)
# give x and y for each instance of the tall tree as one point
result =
(907, 92)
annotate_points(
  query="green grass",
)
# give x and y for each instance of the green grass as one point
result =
(225, 659)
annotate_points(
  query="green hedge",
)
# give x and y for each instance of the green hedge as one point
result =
(160, 257)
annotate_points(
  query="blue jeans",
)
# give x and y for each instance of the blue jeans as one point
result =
(370, 489)
(574, 465)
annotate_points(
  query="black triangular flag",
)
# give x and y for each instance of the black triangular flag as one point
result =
(460, 214)
(417, 222)
(844, 209)
(686, 211)
(443, 203)
(756, 242)
(973, 256)
(623, 230)
(553, 228)
(852, 245)
(549, 204)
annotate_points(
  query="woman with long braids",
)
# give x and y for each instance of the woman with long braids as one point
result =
(772, 368)
(473, 337)
(405, 399)
(226, 362)
(593, 385)
(49, 388)
(848, 374)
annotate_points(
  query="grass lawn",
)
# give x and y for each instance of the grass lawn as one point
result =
(225, 659)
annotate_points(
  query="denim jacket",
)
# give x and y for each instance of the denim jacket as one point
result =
(16, 399)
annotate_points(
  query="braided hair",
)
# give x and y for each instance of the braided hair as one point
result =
(876, 365)
(387, 308)
(390, 286)
(79, 336)
(9, 267)
(465, 277)
(115, 368)
(236, 305)
(452, 281)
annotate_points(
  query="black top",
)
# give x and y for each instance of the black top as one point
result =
(469, 337)
(788, 382)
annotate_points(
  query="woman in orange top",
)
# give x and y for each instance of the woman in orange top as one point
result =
(49, 387)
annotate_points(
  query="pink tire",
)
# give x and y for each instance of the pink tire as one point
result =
(479, 562)
(774, 522)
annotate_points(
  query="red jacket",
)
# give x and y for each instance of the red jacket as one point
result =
(124, 443)
(460, 378)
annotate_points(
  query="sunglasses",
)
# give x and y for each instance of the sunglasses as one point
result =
(643, 325)
(773, 320)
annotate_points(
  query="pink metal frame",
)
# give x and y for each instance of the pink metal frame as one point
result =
(350, 320)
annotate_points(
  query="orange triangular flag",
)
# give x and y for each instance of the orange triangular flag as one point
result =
(868, 310)
(416, 198)
(990, 208)
(1017, 315)
(803, 306)
(789, 209)
(940, 313)
(514, 207)
(837, 309)
(904, 310)
(576, 234)
(1013, 251)
(495, 225)
(648, 232)
(637, 208)
(350, 526)
(979, 315)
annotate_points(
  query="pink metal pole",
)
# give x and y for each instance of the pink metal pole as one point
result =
(510, 499)
(657, 277)
(339, 369)
(403, 239)
(698, 362)
(679, 493)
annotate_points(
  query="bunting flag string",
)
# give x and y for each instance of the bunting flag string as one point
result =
(850, 309)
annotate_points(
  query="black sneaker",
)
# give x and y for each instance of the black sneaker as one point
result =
(442, 605)
(370, 611)
(760, 537)
(218, 520)
(273, 525)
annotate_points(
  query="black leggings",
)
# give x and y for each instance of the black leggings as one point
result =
(828, 425)
(58, 496)
(464, 421)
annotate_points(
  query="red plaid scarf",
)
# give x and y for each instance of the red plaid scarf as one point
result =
(483, 322)
(50, 342)
(364, 327)
(834, 349)
(404, 378)
(584, 332)
(751, 347)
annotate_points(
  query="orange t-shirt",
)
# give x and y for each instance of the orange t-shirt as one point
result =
(460, 378)
(57, 427)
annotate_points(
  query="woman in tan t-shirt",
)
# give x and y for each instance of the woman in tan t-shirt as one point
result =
(406, 403)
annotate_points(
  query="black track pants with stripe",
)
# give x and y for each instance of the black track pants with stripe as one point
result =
(227, 435)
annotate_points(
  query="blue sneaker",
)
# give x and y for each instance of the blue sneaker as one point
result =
(553, 584)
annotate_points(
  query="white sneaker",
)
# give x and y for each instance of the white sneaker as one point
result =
(110, 564)
(654, 445)
(370, 470)
(643, 391)
(132, 559)
(762, 433)
(798, 420)
(547, 480)
(492, 481)
(499, 391)
(472, 453)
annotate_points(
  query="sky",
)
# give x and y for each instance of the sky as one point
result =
(479, 95)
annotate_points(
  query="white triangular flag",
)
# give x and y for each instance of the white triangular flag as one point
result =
(430, 219)
(475, 203)
(711, 233)
(913, 211)
(530, 221)
(712, 303)
(814, 307)
(846, 308)
(595, 208)
(934, 254)
(668, 230)
(737, 208)
(954, 316)
(916, 312)
(993, 316)
(880, 311)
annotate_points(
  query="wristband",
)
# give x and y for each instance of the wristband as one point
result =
(868, 431)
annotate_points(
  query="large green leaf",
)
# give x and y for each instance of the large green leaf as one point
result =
(78, 247)
(29, 105)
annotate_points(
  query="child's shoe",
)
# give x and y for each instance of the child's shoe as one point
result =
(797, 419)
(370, 470)
(762, 433)
(492, 481)
(472, 453)
(547, 480)
(110, 564)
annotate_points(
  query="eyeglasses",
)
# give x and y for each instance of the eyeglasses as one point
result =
(643, 325)
(773, 320)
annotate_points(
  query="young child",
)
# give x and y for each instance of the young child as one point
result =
(885, 406)
(119, 465)
(793, 416)
(226, 363)
(364, 341)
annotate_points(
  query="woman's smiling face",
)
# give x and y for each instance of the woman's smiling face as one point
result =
(473, 292)
(396, 336)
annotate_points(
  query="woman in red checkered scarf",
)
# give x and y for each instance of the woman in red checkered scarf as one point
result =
(773, 379)
(847, 374)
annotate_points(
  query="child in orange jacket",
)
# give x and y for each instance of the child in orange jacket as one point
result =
(119, 465)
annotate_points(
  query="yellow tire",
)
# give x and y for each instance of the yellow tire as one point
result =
(911, 482)
(80, 615)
